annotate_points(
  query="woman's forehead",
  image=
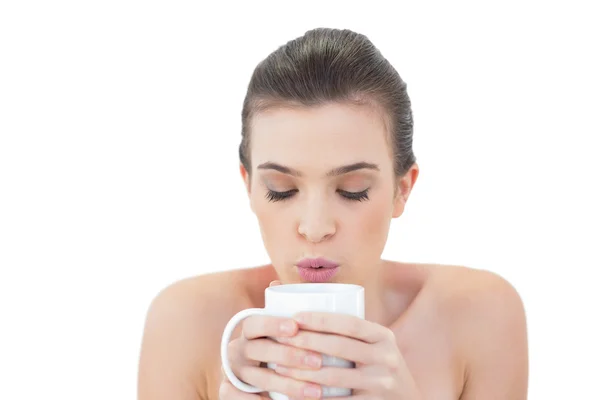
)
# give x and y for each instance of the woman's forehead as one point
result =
(327, 132)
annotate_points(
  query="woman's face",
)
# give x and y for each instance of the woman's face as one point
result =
(323, 186)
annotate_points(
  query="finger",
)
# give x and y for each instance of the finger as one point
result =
(337, 346)
(275, 283)
(270, 381)
(356, 397)
(229, 392)
(258, 326)
(348, 378)
(343, 324)
(269, 351)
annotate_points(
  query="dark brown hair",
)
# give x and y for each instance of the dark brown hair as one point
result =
(331, 65)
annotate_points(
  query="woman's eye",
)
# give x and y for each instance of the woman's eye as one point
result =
(278, 196)
(355, 196)
(274, 196)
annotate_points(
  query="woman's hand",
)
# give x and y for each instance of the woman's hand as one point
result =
(380, 373)
(253, 347)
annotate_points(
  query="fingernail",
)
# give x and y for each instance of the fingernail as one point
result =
(287, 327)
(312, 391)
(313, 360)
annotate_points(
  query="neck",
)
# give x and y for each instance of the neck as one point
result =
(377, 292)
(390, 291)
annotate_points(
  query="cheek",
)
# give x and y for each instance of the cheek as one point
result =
(372, 222)
(268, 220)
(264, 214)
(274, 222)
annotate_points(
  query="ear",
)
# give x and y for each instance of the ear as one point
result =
(246, 177)
(405, 185)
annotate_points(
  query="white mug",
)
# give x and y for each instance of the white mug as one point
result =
(287, 300)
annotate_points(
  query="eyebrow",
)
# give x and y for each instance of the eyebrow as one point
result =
(344, 169)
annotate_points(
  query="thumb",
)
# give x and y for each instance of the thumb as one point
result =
(275, 283)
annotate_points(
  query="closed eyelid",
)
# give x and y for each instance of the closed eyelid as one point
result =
(275, 196)
(279, 183)
(355, 183)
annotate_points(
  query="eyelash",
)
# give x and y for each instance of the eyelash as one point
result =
(274, 196)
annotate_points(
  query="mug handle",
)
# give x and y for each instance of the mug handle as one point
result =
(233, 322)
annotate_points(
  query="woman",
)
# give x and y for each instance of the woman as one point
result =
(326, 157)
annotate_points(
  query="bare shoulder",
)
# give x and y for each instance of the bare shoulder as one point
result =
(486, 317)
(183, 329)
(462, 285)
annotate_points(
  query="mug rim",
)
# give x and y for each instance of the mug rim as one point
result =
(310, 288)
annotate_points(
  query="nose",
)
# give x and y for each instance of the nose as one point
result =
(317, 223)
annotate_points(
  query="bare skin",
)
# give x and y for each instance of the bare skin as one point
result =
(461, 331)
(323, 184)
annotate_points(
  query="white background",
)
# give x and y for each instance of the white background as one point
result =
(119, 127)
